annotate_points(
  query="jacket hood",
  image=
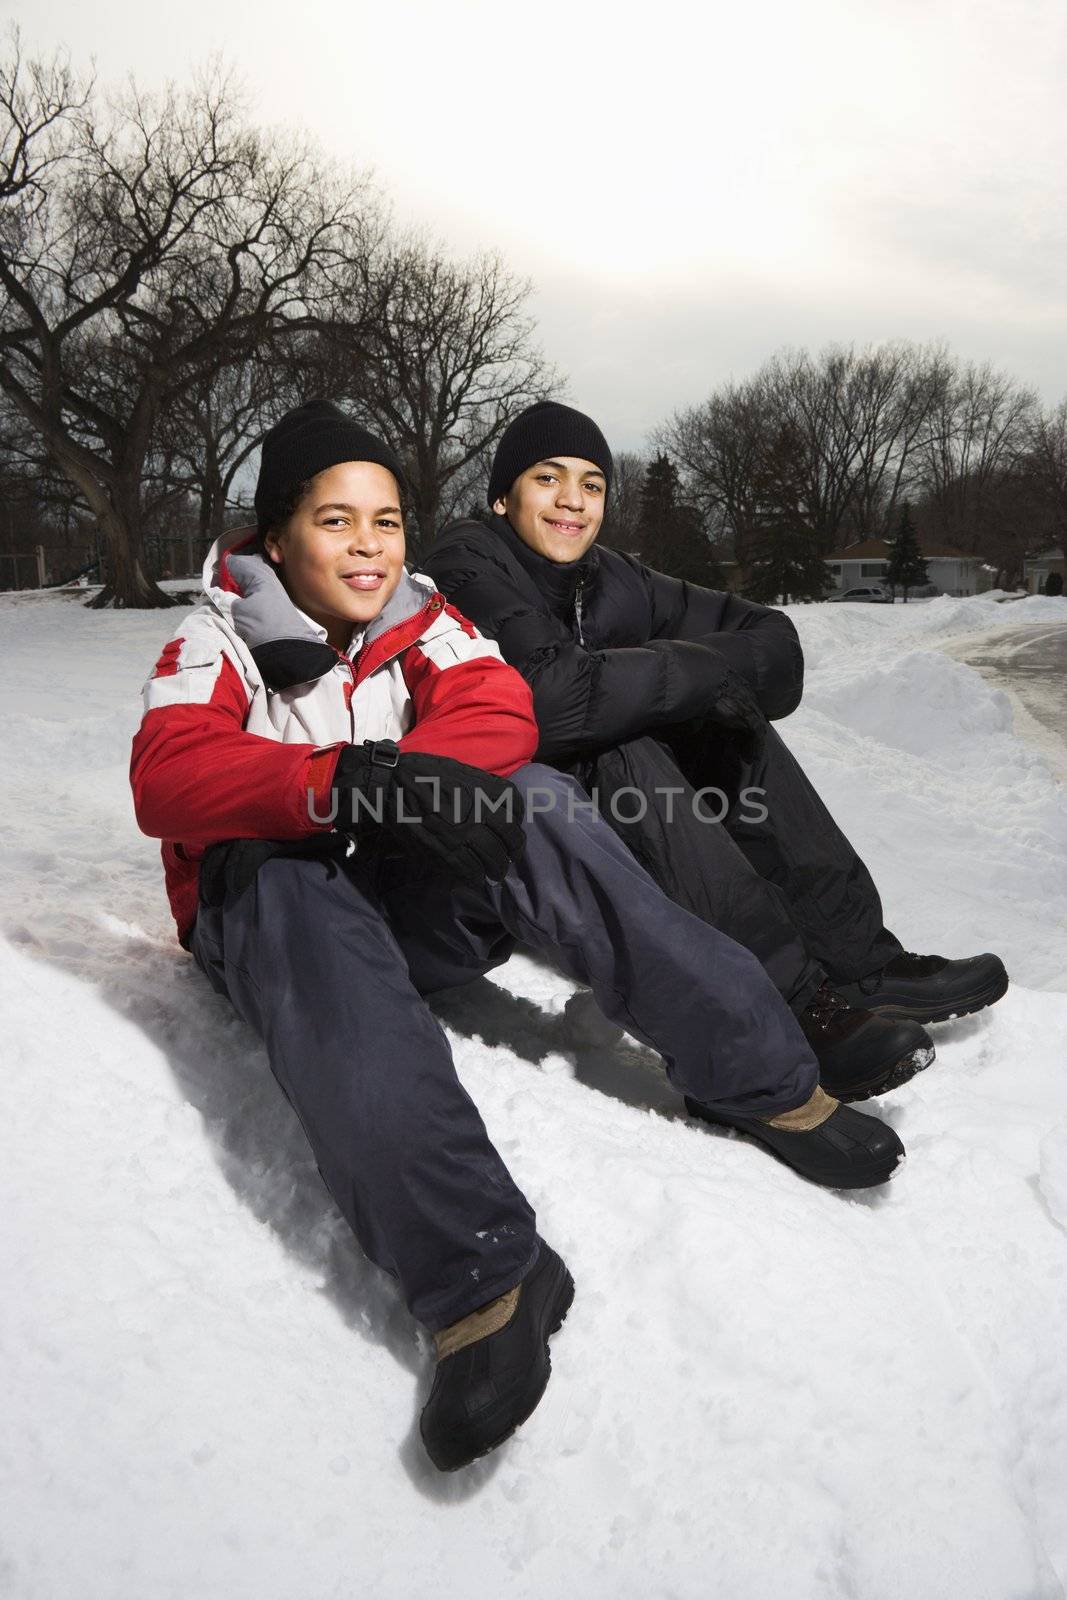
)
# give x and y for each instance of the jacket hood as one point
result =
(286, 645)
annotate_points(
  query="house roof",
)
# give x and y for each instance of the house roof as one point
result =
(864, 550)
(878, 550)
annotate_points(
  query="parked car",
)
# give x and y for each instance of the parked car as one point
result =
(872, 592)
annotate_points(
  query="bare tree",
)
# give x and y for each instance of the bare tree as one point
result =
(980, 426)
(208, 435)
(622, 521)
(1047, 460)
(823, 447)
(38, 505)
(144, 244)
(890, 393)
(38, 98)
(443, 368)
(718, 447)
(848, 417)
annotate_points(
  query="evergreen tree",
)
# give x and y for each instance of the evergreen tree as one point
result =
(785, 560)
(786, 565)
(670, 533)
(906, 567)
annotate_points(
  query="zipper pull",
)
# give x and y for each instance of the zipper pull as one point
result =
(578, 606)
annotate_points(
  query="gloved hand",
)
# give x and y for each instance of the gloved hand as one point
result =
(432, 803)
(228, 867)
(735, 706)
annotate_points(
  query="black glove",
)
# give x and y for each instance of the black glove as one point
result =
(735, 707)
(433, 803)
(227, 868)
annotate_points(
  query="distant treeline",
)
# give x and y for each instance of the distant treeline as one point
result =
(172, 278)
(815, 452)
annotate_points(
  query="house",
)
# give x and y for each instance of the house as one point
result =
(952, 571)
(1037, 567)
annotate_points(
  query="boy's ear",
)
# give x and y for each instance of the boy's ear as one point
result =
(500, 506)
(272, 548)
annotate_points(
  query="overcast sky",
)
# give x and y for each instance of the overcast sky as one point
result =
(690, 186)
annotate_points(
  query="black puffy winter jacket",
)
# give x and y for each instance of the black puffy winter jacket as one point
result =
(610, 648)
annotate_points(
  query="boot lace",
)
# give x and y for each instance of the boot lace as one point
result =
(824, 1007)
(912, 965)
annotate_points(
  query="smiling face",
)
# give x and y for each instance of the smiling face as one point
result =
(556, 506)
(341, 553)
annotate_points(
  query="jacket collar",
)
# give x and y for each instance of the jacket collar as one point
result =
(556, 580)
(287, 646)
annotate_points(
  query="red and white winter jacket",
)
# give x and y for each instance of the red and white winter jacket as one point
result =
(249, 707)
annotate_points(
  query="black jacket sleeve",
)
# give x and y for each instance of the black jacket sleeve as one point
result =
(584, 700)
(759, 642)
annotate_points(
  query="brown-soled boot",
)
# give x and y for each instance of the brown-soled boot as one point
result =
(493, 1366)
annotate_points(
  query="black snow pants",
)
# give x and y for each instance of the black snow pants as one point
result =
(766, 863)
(328, 959)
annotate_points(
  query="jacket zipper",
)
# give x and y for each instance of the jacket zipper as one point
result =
(349, 689)
(432, 605)
(578, 606)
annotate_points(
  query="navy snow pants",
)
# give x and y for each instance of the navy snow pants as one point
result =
(329, 958)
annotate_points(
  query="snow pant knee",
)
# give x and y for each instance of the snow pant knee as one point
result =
(647, 800)
(690, 992)
(791, 841)
(308, 959)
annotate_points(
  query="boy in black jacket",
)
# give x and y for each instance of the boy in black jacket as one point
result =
(659, 695)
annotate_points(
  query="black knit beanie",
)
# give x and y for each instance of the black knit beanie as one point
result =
(540, 432)
(305, 441)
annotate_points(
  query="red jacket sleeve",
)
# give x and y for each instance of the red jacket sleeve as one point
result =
(469, 704)
(198, 776)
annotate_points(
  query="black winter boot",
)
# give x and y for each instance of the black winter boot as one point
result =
(860, 1054)
(929, 988)
(824, 1141)
(494, 1366)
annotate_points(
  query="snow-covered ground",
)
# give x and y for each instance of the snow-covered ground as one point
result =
(764, 1390)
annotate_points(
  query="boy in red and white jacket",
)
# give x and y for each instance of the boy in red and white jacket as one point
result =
(338, 765)
(250, 663)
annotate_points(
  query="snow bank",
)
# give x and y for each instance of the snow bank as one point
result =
(762, 1389)
(828, 628)
(964, 825)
